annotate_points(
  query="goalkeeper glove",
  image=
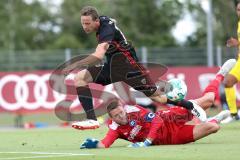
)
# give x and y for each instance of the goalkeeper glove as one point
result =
(146, 143)
(89, 143)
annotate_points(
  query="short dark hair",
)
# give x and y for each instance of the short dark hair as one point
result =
(112, 105)
(90, 11)
(237, 2)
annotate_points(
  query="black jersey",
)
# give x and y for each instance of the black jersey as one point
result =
(110, 33)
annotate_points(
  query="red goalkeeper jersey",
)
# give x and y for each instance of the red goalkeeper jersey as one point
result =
(162, 127)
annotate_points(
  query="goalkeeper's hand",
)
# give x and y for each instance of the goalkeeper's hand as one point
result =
(146, 143)
(89, 143)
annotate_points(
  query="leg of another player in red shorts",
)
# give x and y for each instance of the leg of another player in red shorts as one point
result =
(191, 133)
(204, 129)
(211, 90)
(206, 101)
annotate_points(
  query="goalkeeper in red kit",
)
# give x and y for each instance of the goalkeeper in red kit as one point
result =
(144, 128)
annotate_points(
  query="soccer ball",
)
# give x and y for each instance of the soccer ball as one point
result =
(178, 90)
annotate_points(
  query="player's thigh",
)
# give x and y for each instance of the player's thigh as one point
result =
(148, 90)
(230, 80)
(132, 73)
(143, 83)
(206, 100)
(185, 134)
(204, 129)
(234, 75)
(100, 74)
(236, 70)
(177, 115)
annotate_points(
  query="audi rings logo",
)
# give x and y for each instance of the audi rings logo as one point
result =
(29, 91)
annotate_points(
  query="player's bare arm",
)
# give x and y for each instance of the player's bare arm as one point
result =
(92, 59)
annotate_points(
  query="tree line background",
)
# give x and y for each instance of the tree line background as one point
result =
(31, 25)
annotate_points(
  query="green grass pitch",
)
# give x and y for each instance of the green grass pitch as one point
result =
(63, 144)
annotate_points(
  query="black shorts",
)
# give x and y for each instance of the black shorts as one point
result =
(122, 67)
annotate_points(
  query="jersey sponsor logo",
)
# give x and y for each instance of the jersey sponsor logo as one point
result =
(165, 112)
(134, 132)
(149, 117)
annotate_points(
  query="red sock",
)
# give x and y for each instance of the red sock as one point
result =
(219, 77)
(213, 121)
(214, 84)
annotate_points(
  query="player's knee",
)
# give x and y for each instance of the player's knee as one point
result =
(210, 101)
(229, 82)
(82, 78)
(79, 80)
(214, 128)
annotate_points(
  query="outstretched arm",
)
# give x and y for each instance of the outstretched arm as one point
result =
(108, 140)
(92, 59)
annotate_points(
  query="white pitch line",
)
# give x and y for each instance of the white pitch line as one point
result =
(34, 157)
(49, 153)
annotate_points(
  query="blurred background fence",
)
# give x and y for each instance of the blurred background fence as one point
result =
(49, 59)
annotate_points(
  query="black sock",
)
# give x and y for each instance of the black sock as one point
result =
(85, 98)
(183, 103)
(235, 115)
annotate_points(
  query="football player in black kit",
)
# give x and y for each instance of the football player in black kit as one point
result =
(121, 65)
